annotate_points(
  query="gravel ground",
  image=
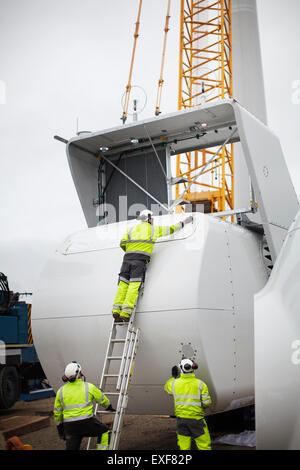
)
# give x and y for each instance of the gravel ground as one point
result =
(145, 432)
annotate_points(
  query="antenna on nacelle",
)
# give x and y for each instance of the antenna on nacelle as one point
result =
(137, 102)
(78, 132)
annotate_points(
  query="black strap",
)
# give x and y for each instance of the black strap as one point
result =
(112, 173)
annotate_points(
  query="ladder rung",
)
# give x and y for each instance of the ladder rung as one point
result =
(112, 393)
(106, 412)
(116, 358)
(111, 375)
(121, 340)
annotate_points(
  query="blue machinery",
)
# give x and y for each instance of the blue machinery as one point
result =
(21, 375)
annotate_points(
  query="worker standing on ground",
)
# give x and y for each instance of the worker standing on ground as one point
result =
(73, 410)
(138, 245)
(191, 397)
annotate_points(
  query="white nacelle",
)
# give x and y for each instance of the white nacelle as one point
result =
(199, 289)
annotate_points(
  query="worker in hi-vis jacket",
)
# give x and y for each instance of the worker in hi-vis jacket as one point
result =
(191, 397)
(138, 245)
(73, 410)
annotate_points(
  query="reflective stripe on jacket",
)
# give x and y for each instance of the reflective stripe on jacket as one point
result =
(141, 238)
(190, 395)
(74, 401)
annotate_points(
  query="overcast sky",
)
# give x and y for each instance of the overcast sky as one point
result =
(63, 59)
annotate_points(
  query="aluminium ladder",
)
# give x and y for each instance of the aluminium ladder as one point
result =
(122, 336)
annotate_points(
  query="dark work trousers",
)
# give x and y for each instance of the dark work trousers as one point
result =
(131, 279)
(76, 430)
(133, 269)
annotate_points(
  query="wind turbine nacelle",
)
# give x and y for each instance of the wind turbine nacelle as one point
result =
(198, 297)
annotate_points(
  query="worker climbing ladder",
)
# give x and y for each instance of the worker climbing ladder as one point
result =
(122, 336)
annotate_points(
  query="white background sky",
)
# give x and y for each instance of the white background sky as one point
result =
(63, 59)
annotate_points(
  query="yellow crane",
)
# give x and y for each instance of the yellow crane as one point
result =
(205, 75)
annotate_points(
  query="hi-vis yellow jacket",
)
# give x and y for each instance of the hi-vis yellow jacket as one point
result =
(190, 395)
(74, 401)
(141, 238)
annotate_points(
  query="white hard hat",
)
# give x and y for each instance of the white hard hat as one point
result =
(72, 371)
(144, 215)
(187, 366)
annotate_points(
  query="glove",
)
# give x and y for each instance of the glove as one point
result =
(175, 372)
(188, 220)
(61, 431)
(110, 408)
